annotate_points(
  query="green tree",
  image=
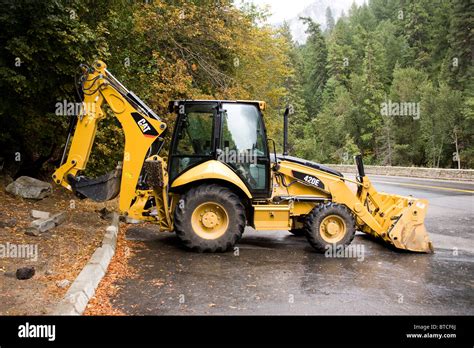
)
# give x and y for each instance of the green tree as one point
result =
(43, 42)
(407, 88)
(298, 118)
(461, 41)
(315, 60)
(330, 22)
(441, 114)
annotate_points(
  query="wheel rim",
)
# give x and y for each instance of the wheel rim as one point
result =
(332, 228)
(210, 220)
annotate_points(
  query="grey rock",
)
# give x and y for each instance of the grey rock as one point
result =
(32, 231)
(58, 218)
(8, 223)
(63, 283)
(31, 188)
(38, 214)
(43, 225)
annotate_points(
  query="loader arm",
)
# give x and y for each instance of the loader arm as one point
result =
(394, 219)
(141, 128)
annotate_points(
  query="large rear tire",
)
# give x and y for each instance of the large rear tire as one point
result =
(209, 218)
(329, 224)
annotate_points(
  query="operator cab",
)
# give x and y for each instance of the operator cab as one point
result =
(232, 132)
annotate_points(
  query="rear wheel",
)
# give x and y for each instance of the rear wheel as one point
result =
(329, 224)
(209, 218)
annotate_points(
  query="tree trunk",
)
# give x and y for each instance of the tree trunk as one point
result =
(457, 149)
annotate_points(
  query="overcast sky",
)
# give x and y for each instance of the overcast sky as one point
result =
(282, 9)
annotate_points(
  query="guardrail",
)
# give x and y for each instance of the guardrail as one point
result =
(416, 172)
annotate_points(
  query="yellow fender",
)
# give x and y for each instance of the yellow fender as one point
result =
(211, 170)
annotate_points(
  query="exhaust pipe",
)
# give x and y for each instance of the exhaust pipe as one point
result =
(360, 165)
(285, 131)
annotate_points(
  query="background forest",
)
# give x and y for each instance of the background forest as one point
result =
(337, 85)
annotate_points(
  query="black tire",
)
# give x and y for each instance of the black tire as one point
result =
(315, 218)
(298, 232)
(194, 198)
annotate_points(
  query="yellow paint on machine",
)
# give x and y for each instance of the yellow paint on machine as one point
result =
(211, 170)
(272, 217)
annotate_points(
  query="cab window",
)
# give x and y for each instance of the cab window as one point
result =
(193, 142)
(243, 145)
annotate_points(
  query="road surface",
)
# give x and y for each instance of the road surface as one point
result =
(275, 272)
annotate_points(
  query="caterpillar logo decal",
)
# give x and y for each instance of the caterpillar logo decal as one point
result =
(309, 179)
(147, 129)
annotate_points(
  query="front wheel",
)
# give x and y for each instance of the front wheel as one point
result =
(209, 218)
(329, 224)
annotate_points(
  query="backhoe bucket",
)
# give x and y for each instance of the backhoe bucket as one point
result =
(408, 231)
(100, 189)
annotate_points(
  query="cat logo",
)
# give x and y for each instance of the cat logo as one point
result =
(146, 128)
(144, 125)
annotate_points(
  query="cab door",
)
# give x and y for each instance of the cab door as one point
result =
(243, 146)
(193, 141)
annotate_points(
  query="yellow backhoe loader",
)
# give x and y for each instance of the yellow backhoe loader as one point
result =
(220, 176)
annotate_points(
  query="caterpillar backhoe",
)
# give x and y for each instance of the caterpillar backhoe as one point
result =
(220, 176)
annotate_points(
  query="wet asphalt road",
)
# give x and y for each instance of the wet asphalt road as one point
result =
(277, 273)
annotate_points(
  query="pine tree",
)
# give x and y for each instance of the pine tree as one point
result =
(315, 60)
(330, 22)
(461, 41)
(298, 117)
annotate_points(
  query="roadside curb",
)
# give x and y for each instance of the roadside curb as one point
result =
(83, 288)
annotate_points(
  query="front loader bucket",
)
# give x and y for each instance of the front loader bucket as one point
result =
(100, 189)
(408, 231)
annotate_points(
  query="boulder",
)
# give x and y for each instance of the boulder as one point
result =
(31, 188)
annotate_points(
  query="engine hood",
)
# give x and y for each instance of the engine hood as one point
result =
(307, 163)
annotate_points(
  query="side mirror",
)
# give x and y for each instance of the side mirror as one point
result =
(275, 166)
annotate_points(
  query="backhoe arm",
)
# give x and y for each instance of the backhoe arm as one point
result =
(141, 129)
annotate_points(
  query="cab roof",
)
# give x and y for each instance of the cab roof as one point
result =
(174, 103)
